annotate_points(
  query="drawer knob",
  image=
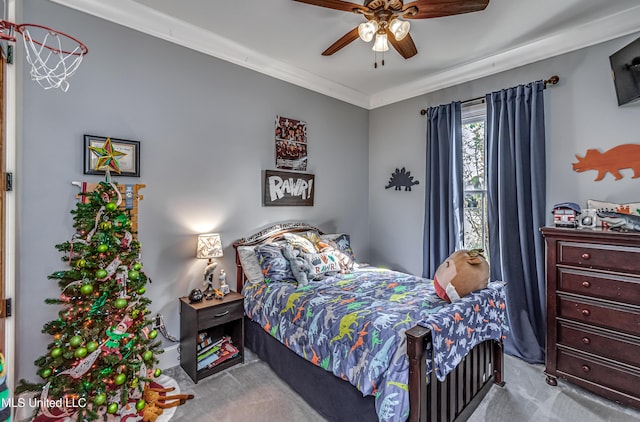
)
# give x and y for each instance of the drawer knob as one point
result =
(586, 256)
(221, 314)
(586, 340)
(586, 312)
(585, 368)
(586, 284)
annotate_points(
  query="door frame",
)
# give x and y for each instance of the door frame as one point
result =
(9, 133)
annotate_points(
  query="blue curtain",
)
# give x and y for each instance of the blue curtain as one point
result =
(443, 201)
(516, 201)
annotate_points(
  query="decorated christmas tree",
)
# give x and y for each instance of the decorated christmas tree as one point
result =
(103, 348)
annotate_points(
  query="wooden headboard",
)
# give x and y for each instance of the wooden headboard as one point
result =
(268, 234)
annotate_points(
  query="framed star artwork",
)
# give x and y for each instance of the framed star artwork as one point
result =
(119, 156)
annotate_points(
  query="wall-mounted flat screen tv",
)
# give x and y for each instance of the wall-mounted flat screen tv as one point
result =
(625, 69)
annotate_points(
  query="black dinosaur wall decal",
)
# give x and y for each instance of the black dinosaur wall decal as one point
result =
(401, 178)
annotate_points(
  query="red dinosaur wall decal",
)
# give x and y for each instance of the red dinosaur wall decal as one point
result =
(625, 156)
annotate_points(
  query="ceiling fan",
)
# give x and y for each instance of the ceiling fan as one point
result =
(383, 20)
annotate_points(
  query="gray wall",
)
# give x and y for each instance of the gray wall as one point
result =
(581, 113)
(206, 129)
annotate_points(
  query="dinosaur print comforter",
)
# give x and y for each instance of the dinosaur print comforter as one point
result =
(354, 326)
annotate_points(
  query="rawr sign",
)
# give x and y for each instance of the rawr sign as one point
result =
(287, 188)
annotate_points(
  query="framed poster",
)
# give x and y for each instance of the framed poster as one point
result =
(291, 144)
(126, 152)
(282, 188)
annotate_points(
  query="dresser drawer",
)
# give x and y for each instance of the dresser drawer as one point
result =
(601, 315)
(593, 255)
(601, 285)
(220, 314)
(625, 349)
(620, 378)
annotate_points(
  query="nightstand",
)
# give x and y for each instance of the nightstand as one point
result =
(215, 319)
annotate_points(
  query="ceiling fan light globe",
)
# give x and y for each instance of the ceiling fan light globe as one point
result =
(381, 44)
(399, 29)
(367, 30)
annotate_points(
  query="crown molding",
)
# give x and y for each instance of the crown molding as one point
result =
(571, 39)
(147, 20)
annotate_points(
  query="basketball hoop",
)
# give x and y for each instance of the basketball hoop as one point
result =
(53, 55)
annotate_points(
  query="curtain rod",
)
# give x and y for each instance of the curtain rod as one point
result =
(552, 80)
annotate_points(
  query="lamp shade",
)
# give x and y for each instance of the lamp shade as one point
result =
(399, 29)
(209, 246)
(367, 30)
(380, 43)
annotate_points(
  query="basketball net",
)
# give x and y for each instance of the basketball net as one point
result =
(50, 64)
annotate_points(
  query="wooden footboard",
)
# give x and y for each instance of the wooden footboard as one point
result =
(462, 391)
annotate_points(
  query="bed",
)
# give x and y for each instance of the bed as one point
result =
(368, 343)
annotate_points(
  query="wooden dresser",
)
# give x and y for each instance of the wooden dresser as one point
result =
(593, 311)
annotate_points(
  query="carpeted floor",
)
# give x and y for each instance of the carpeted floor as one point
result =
(252, 392)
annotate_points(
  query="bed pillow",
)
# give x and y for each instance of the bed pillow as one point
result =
(323, 263)
(275, 267)
(300, 242)
(250, 265)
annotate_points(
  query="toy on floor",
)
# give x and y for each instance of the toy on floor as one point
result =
(463, 272)
(156, 402)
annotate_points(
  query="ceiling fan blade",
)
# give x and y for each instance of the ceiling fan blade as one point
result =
(439, 8)
(342, 42)
(335, 4)
(405, 47)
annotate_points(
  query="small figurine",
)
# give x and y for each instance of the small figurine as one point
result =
(208, 281)
(222, 279)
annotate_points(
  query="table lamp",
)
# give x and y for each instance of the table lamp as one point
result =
(209, 247)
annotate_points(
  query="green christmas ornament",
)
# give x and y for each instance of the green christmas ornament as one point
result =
(111, 206)
(112, 408)
(135, 313)
(86, 289)
(56, 352)
(142, 290)
(105, 225)
(46, 373)
(120, 303)
(120, 379)
(80, 352)
(102, 248)
(92, 346)
(133, 275)
(134, 382)
(147, 355)
(101, 273)
(100, 399)
(86, 386)
(81, 263)
(153, 334)
(137, 266)
(140, 404)
(106, 372)
(75, 341)
(157, 372)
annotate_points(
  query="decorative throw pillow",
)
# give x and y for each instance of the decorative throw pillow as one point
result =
(343, 241)
(275, 267)
(630, 208)
(301, 243)
(323, 263)
(250, 265)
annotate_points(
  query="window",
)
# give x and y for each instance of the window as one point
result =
(476, 230)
